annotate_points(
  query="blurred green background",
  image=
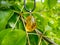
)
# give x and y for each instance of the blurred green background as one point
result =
(12, 30)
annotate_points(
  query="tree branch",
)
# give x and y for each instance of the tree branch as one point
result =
(39, 33)
(45, 38)
(21, 17)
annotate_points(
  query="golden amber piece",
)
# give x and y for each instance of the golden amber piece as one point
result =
(30, 24)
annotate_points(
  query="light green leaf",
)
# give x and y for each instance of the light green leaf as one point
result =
(50, 3)
(40, 21)
(4, 17)
(15, 37)
(4, 4)
(3, 34)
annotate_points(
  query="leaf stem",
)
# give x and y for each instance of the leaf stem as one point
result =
(15, 22)
(32, 33)
(25, 28)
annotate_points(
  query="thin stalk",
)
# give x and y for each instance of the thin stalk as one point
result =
(25, 28)
(15, 23)
(26, 31)
(32, 33)
(17, 20)
(45, 38)
(40, 41)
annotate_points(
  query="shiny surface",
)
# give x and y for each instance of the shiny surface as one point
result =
(30, 24)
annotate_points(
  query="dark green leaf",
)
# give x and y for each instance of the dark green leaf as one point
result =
(33, 39)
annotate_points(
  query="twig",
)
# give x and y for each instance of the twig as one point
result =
(45, 38)
(17, 18)
(25, 28)
(39, 33)
(15, 23)
(32, 33)
(40, 41)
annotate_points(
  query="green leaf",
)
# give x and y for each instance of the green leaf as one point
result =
(5, 4)
(50, 3)
(3, 33)
(39, 21)
(21, 26)
(29, 5)
(12, 21)
(39, 7)
(4, 17)
(33, 39)
(15, 37)
(43, 42)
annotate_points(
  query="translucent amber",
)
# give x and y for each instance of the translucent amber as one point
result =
(30, 24)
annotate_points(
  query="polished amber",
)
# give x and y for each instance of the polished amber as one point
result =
(30, 23)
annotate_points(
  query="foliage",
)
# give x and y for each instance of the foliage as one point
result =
(12, 30)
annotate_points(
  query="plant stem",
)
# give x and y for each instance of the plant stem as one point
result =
(17, 19)
(32, 33)
(15, 22)
(45, 38)
(25, 28)
(40, 41)
(38, 33)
